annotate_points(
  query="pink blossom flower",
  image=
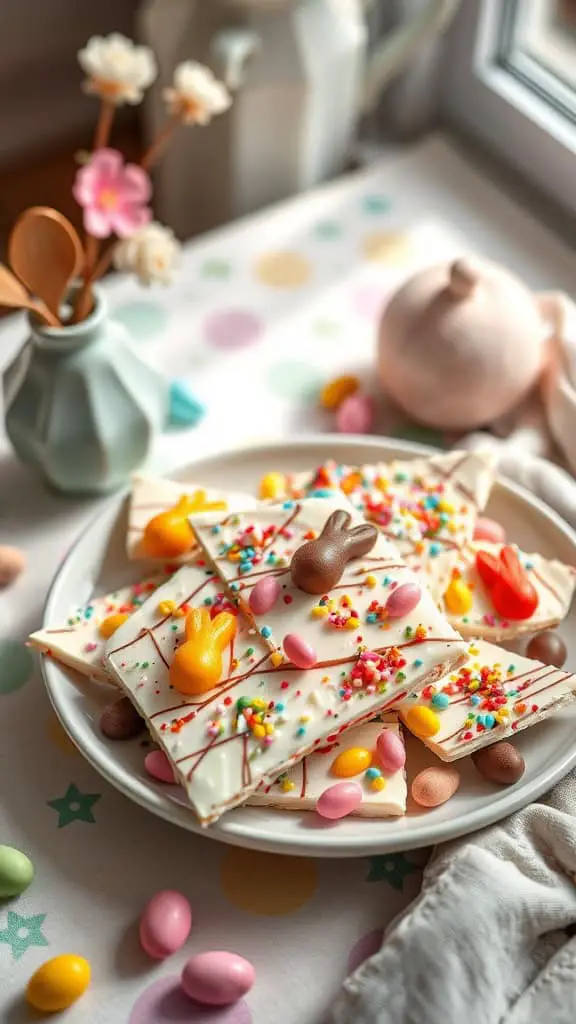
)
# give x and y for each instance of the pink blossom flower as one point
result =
(113, 195)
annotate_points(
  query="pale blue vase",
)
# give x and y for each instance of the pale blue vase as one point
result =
(81, 406)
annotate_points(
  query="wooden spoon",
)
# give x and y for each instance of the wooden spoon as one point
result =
(46, 254)
(14, 294)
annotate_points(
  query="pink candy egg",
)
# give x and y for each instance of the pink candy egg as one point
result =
(391, 753)
(217, 978)
(264, 595)
(339, 800)
(489, 530)
(434, 786)
(403, 600)
(299, 652)
(355, 415)
(165, 924)
(158, 766)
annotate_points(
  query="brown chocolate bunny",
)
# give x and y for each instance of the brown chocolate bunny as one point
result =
(317, 566)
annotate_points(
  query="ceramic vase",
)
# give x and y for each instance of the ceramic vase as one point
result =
(81, 406)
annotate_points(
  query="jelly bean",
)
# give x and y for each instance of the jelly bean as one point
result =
(121, 721)
(111, 623)
(158, 766)
(391, 752)
(548, 647)
(197, 664)
(217, 978)
(422, 721)
(337, 391)
(165, 924)
(299, 652)
(403, 600)
(58, 983)
(339, 800)
(355, 415)
(489, 530)
(12, 563)
(458, 597)
(351, 762)
(434, 786)
(16, 872)
(272, 485)
(264, 595)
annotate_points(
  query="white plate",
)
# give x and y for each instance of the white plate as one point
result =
(97, 563)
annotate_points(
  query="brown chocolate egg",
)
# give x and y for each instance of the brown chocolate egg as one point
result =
(317, 566)
(500, 763)
(121, 721)
(548, 647)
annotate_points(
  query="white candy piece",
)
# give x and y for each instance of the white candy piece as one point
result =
(475, 716)
(301, 786)
(553, 581)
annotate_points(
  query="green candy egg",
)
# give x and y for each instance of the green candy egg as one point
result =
(16, 872)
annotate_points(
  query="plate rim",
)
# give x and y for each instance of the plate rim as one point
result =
(230, 830)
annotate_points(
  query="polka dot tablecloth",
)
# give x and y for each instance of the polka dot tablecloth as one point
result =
(263, 313)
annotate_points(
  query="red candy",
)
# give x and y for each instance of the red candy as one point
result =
(512, 593)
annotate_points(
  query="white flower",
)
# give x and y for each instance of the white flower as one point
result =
(152, 254)
(117, 70)
(196, 95)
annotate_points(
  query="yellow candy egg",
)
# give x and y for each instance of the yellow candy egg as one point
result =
(351, 762)
(422, 721)
(273, 485)
(458, 598)
(58, 983)
(336, 391)
(109, 625)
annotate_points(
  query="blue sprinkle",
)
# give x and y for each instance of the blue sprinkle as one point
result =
(249, 552)
(234, 586)
(301, 731)
(386, 581)
(208, 600)
(489, 721)
(266, 632)
(528, 565)
(440, 700)
(372, 617)
(279, 707)
(373, 773)
(431, 501)
(418, 662)
(244, 567)
(322, 492)
(288, 504)
(434, 550)
(216, 529)
(475, 699)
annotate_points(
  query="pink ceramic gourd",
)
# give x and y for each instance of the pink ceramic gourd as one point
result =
(460, 344)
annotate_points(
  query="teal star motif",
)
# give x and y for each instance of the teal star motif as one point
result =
(74, 806)
(391, 868)
(216, 268)
(23, 932)
(376, 204)
(328, 229)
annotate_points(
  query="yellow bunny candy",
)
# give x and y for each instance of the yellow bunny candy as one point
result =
(169, 535)
(197, 665)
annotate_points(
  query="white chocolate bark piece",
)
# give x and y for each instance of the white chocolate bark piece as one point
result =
(426, 506)
(151, 496)
(553, 581)
(494, 695)
(247, 547)
(263, 717)
(299, 788)
(78, 643)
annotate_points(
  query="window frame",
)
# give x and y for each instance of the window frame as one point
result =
(516, 108)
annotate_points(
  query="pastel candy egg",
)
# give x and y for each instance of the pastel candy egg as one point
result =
(217, 978)
(422, 721)
(264, 595)
(391, 752)
(158, 766)
(403, 600)
(165, 924)
(272, 485)
(434, 786)
(351, 762)
(111, 623)
(489, 530)
(355, 415)
(299, 652)
(339, 800)
(458, 597)
(58, 983)
(16, 872)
